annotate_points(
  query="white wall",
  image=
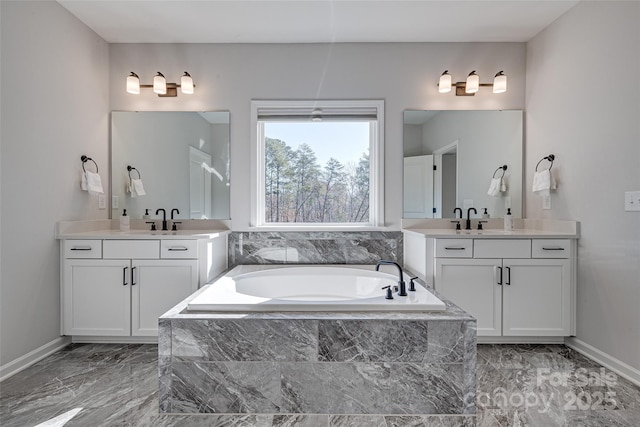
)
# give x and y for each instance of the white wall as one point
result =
(584, 107)
(55, 107)
(228, 77)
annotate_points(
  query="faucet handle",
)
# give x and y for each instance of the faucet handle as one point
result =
(412, 286)
(153, 225)
(480, 224)
(457, 224)
(389, 292)
(173, 225)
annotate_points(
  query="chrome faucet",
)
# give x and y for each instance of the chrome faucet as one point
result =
(164, 219)
(468, 227)
(402, 288)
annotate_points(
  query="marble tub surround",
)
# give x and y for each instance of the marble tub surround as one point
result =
(314, 247)
(353, 364)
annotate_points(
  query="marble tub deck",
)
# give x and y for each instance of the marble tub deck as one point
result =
(359, 363)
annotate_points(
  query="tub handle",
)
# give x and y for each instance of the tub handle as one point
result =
(389, 292)
(412, 286)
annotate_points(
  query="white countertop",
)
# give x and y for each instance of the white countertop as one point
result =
(491, 234)
(109, 229)
(143, 234)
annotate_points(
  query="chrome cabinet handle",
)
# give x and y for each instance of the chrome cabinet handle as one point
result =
(124, 276)
(508, 282)
(498, 278)
(552, 249)
(82, 248)
(178, 249)
(454, 248)
(133, 282)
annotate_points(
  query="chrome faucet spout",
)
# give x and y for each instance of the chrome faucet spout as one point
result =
(402, 288)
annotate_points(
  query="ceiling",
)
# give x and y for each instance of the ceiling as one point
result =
(316, 21)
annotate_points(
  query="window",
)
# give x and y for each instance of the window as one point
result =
(318, 163)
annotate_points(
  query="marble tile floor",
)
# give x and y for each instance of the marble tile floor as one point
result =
(518, 385)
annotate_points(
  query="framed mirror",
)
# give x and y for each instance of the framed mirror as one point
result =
(451, 158)
(180, 158)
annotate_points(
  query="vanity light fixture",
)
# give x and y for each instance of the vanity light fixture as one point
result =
(472, 84)
(160, 85)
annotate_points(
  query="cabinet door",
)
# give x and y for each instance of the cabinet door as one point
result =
(536, 297)
(474, 286)
(96, 297)
(158, 285)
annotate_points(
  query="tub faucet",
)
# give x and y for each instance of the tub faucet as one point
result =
(468, 227)
(164, 219)
(402, 288)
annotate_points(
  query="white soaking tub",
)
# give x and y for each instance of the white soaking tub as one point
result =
(310, 288)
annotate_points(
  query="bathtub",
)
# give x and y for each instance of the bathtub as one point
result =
(309, 288)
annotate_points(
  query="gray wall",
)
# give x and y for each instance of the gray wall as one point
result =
(228, 77)
(55, 107)
(591, 125)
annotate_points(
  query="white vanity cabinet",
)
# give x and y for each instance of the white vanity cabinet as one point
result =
(514, 287)
(119, 288)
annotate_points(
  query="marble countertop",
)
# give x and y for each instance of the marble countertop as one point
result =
(491, 233)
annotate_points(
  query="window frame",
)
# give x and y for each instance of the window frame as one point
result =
(376, 164)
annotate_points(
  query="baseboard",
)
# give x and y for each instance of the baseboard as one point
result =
(617, 366)
(32, 357)
(114, 340)
(520, 340)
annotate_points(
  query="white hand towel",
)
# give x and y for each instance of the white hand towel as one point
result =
(92, 183)
(495, 187)
(137, 187)
(543, 182)
(503, 185)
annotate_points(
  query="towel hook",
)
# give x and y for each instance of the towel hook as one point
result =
(85, 159)
(503, 167)
(550, 158)
(131, 168)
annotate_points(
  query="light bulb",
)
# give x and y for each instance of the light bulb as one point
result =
(444, 85)
(159, 84)
(186, 84)
(133, 83)
(500, 83)
(473, 82)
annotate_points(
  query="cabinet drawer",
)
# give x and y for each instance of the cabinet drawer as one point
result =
(454, 248)
(551, 248)
(179, 249)
(126, 249)
(82, 248)
(502, 248)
